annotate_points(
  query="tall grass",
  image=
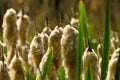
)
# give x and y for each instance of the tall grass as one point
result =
(61, 74)
(82, 41)
(47, 64)
(106, 43)
(28, 74)
(82, 29)
(80, 46)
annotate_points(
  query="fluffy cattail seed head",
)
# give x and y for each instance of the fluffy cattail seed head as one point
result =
(1, 51)
(99, 51)
(4, 71)
(114, 42)
(47, 30)
(74, 22)
(69, 50)
(44, 40)
(17, 71)
(23, 24)
(54, 41)
(52, 72)
(90, 55)
(10, 54)
(112, 65)
(35, 53)
(9, 27)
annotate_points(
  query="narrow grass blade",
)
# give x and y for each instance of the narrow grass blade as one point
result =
(83, 20)
(82, 29)
(61, 74)
(28, 75)
(106, 44)
(47, 64)
(117, 74)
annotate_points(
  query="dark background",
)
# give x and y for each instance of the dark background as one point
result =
(63, 10)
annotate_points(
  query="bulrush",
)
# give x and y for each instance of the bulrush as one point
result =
(10, 32)
(54, 41)
(10, 54)
(52, 73)
(74, 22)
(69, 51)
(114, 42)
(4, 75)
(17, 71)
(47, 29)
(38, 75)
(23, 24)
(4, 71)
(90, 55)
(23, 51)
(99, 52)
(112, 65)
(35, 53)
(9, 28)
(44, 39)
(1, 51)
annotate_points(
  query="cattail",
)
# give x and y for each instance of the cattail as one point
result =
(44, 39)
(2, 54)
(112, 65)
(52, 73)
(10, 32)
(4, 74)
(4, 71)
(38, 75)
(69, 51)
(9, 28)
(74, 22)
(114, 42)
(54, 41)
(90, 55)
(47, 29)
(23, 51)
(1, 51)
(10, 54)
(23, 24)
(35, 53)
(17, 71)
(99, 51)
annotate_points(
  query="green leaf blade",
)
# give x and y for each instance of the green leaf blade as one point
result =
(47, 64)
(61, 74)
(106, 44)
(82, 34)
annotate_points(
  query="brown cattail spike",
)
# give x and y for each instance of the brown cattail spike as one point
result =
(69, 50)
(112, 65)
(52, 73)
(4, 71)
(35, 53)
(90, 55)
